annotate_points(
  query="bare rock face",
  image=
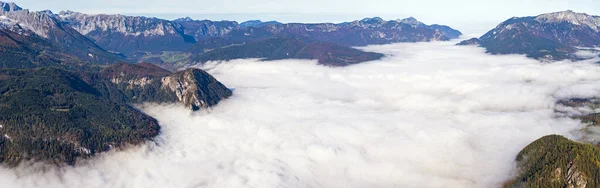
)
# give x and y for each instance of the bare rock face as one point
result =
(196, 88)
(145, 82)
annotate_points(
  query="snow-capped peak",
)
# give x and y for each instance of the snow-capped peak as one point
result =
(571, 17)
(8, 7)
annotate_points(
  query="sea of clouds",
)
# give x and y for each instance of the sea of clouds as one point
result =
(428, 115)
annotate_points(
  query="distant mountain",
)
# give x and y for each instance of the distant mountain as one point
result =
(129, 34)
(553, 36)
(140, 37)
(204, 29)
(258, 23)
(332, 40)
(358, 33)
(57, 116)
(49, 27)
(289, 48)
(554, 161)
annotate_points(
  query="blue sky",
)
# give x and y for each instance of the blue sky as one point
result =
(458, 13)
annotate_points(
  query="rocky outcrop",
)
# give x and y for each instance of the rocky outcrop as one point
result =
(144, 82)
(195, 88)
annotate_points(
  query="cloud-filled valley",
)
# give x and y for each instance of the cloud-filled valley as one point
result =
(428, 115)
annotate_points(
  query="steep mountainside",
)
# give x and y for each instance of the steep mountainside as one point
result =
(58, 116)
(144, 82)
(51, 115)
(554, 161)
(48, 26)
(129, 34)
(290, 48)
(21, 51)
(553, 36)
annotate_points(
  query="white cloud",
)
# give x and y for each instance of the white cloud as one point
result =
(431, 115)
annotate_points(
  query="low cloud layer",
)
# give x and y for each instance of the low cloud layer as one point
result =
(430, 115)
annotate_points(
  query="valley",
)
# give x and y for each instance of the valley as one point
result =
(109, 99)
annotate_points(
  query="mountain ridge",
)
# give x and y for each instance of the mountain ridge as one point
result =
(551, 36)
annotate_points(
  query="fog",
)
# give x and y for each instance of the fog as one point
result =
(428, 115)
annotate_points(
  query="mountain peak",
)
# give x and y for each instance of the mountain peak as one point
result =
(411, 21)
(374, 20)
(67, 13)
(571, 17)
(186, 19)
(9, 6)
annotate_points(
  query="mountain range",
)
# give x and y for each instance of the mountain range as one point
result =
(108, 39)
(67, 80)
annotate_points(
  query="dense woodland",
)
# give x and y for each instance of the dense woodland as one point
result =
(556, 162)
(50, 114)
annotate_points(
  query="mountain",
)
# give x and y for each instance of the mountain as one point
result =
(21, 51)
(258, 23)
(204, 29)
(289, 48)
(129, 34)
(46, 25)
(145, 82)
(58, 116)
(554, 161)
(552, 36)
(51, 115)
